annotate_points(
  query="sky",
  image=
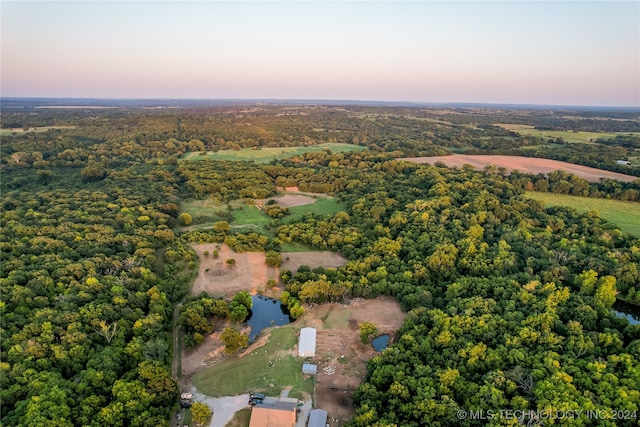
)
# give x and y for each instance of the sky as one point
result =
(510, 52)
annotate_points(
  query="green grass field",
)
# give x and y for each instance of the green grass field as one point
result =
(251, 218)
(568, 136)
(322, 206)
(269, 364)
(267, 154)
(625, 215)
(208, 211)
(248, 218)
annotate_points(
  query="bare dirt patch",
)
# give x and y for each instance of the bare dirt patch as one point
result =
(293, 260)
(218, 278)
(523, 164)
(289, 200)
(340, 355)
(288, 189)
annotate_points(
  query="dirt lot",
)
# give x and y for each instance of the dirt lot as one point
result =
(216, 277)
(340, 356)
(289, 200)
(250, 273)
(523, 164)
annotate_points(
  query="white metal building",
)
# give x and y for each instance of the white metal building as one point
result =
(307, 344)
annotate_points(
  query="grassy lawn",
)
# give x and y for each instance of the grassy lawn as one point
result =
(206, 212)
(269, 364)
(322, 206)
(252, 219)
(267, 154)
(625, 215)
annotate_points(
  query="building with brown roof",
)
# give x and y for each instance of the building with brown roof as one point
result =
(281, 413)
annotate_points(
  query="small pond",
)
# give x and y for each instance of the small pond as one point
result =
(266, 312)
(629, 311)
(380, 342)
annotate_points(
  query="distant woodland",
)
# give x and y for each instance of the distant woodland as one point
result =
(509, 303)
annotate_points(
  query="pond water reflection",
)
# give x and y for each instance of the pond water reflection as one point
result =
(266, 312)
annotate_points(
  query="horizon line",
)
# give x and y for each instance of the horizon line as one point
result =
(320, 101)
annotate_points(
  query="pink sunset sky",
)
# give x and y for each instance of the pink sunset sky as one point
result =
(553, 53)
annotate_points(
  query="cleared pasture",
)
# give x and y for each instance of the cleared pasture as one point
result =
(16, 131)
(267, 154)
(322, 206)
(566, 135)
(625, 215)
(269, 369)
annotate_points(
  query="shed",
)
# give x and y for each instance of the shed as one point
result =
(317, 418)
(309, 369)
(307, 344)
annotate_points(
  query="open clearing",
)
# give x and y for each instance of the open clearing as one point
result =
(289, 200)
(12, 131)
(625, 215)
(293, 260)
(271, 364)
(523, 164)
(566, 135)
(217, 278)
(250, 272)
(302, 203)
(247, 217)
(267, 154)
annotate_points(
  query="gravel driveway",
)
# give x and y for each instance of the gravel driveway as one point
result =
(223, 407)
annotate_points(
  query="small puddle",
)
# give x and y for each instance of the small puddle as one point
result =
(266, 312)
(380, 343)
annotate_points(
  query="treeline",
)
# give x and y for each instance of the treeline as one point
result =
(562, 182)
(199, 314)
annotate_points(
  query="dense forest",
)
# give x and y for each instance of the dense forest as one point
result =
(509, 303)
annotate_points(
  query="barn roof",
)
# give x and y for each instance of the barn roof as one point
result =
(307, 340)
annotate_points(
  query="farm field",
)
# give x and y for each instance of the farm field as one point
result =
(568, 136)
(6, 132)
(267, 154)
(626, 215)
(524, 164)
(322, 206)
